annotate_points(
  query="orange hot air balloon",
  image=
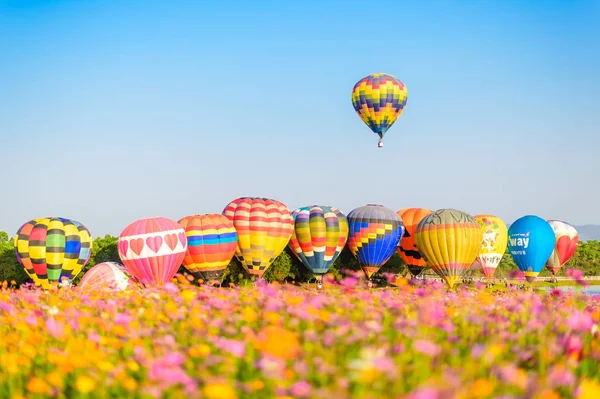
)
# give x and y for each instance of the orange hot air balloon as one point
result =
(407, 249)
(212, 241)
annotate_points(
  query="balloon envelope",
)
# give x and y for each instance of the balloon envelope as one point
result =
(449, 240)
(52, 248)
(379, 100)
(107, 275)
(152, 249)
(211, 245)
(567, 239)
(374, 235)
(320, 233)
(264, 227)
(530, 242)
(408, 251)
(493, 243)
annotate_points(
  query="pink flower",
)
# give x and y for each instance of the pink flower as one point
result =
(55, 328)
(31, 320)
(580, 321)
(424, 393)
(171, 288)
(300, 389)
(427, 347)
(236, 348)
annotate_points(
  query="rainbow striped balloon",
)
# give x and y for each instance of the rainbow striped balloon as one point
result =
(320, 233)
(52, 248)
(379, 100)
(212, 241)
(264, 227)
(152, 249)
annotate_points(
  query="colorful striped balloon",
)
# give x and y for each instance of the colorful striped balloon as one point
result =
(567, 240)
(212, 241)
(379, 99)
(374, 235)
(152, 249)
(320, 233)
(52, 248)
(450, 241)
(408, 251)
(264, 227)
(111, 276)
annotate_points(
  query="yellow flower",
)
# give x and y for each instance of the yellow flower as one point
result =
(188, 295)
(589, 389)
(105, 366)
(249, 315)
(133, 366)
(55, 379)
(273, 318)
(37, 385)
(130, 384)
(482, 388)
(218, 390)
(85, 384)
(278, 342)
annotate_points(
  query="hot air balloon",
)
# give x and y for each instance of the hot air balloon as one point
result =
(264, 227)
(212, 241)
(379, 100)
(111, 276)
(374, 235)
(52, 249)
(566, 244)
(493, 244)
(530, 243)
(408, 251)
(449, 240)
(152, 249)
(320, 233)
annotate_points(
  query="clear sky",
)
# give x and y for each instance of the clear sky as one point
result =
(115, 110)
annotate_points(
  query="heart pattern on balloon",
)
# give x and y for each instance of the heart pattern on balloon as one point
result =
(183, 239)
(137, 245)
(171, 240)
(154, 243)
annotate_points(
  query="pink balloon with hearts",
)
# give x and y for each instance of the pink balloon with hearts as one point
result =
(152, 249)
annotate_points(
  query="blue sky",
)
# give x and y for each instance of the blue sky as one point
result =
(115, 110)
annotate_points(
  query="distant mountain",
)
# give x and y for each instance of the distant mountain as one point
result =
(588, 232)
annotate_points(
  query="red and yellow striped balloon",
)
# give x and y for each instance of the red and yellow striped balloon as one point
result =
(264, 227)
(212, 241)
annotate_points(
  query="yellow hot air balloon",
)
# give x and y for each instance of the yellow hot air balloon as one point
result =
(493, 243)
(450, 241)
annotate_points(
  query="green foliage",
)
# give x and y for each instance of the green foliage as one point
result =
(287, 267)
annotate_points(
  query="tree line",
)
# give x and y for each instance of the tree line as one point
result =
(287, 267)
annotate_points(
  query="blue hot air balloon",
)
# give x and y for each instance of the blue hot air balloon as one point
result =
(531, 242)
(374, 234)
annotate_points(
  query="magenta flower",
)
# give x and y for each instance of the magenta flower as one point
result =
(300, 389)
(580, 321)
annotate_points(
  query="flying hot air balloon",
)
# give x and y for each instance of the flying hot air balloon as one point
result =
(449, 240)
(567, 240)
(531, 242)
(408, 251)
(374, 235)
(320, 233)
(52, 249)
(264, 227)
(109, 276)
(152, 249)
(379, 100)
(212, 241)
(493, 244)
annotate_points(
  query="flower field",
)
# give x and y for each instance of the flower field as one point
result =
(285, 341)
